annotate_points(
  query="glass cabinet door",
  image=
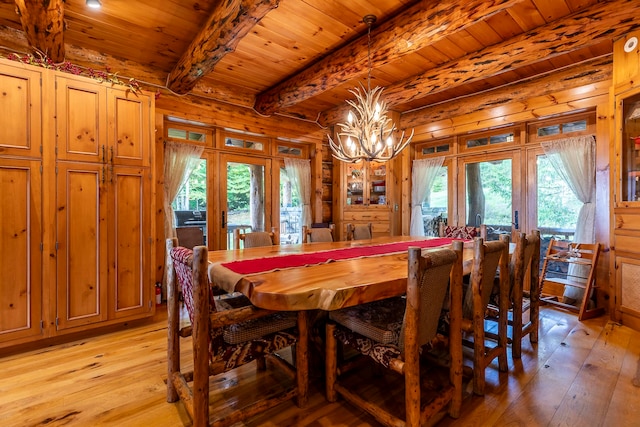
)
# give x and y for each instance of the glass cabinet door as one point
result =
(629, 117)
(355, 184)
(378, 183)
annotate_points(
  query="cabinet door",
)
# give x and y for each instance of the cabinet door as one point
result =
(20, 255)
(129, 242)
(129, 130)
(21, 130)
(81, 120)
(628, 286)
(82, 244)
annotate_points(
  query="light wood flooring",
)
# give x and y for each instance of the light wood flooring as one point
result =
(581, 374)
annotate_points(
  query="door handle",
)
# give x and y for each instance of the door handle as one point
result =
(515, 222)
(224, 220)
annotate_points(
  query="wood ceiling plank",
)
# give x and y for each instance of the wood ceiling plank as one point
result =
(552, 9)
(527, 15)
(484, 33)
(504, 25)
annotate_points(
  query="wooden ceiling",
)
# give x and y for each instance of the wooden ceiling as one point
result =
(300, 57)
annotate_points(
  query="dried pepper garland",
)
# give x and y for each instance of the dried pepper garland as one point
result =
(67, 67)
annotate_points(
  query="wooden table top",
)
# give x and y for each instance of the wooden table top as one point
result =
(325, 286)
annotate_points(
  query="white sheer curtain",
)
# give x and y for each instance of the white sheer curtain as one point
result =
(179, 162)
(575, 160)
(299, 173)
(422, 177)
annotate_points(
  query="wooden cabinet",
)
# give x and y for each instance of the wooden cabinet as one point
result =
(626, 178)
(20, 251)
(76, 220)
(21, 224)
(363, 195)
(104, 203)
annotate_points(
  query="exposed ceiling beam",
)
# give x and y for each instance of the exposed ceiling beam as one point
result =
(419, 26)
(586, 28)
(43, 23)
(228, 24)
(516, 93)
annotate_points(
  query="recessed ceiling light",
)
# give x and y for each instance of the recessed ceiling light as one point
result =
(94, 4)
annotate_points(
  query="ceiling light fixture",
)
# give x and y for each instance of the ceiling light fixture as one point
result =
(368, 130)
(94, 4)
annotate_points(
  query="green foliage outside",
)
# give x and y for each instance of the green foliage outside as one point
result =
(238, 186)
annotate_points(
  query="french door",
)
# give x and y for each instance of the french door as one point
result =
(490, 192)
(245, 196)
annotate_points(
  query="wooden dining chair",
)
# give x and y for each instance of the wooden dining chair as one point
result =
(524, 305)
(313, 234)
(462, 232)
(359, 231)
(487, 258)
(396, 333)
(226, 333)
(254, 239)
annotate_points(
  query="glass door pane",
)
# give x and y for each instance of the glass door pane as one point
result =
(290, 212)
(489, 195)
(243, 197)
(190, 208)
(435, 205)
(556, 206)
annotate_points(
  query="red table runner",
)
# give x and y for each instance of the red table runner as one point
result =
(259, 265)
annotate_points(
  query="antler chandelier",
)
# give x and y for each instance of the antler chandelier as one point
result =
(368, 130)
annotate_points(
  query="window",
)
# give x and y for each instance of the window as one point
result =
(434, 207)
(188, 133)
(559, 127)
(242, 143)
(434, 148)
(487, 140)
(496, 137)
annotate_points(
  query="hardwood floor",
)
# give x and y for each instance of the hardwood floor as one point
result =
(582, 374)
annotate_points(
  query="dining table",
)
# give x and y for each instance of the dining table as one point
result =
(320, 276)
(325, 275)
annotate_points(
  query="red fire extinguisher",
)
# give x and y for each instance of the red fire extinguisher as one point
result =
(158, 294)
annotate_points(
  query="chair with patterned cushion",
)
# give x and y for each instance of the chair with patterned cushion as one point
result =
(397, 334)
(254, 239)
(359, 231)
(227, 332)
(487, 258)
(524, 306)
(319, 234)
(462, 232)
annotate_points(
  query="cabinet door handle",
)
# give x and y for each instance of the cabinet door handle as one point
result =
(224, 220)
(104, 154)
(111, 155)
(104, 178)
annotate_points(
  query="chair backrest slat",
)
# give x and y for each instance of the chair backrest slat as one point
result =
(183, 267)
(359, 231)
(312, 235)
(427, 285)
(485, 265)
(254, 239)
